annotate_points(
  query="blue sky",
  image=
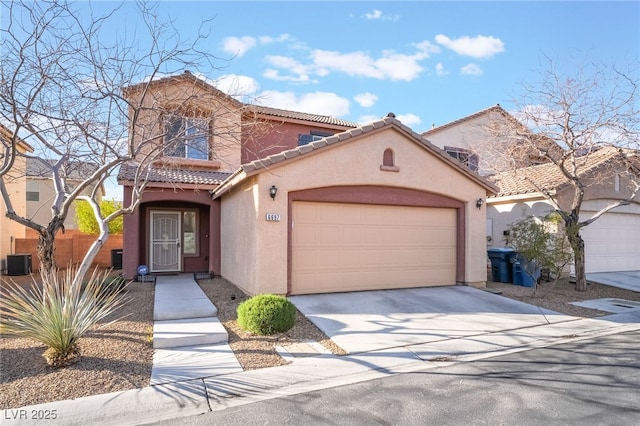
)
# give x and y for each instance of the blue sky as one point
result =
(428, 62)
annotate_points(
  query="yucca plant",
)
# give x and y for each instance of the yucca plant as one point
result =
(59, 312)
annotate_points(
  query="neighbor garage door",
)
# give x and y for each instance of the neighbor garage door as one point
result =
(612, 243)
(349, 247)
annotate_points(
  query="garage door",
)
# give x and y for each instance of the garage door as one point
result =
(612, 243)
(350, 247)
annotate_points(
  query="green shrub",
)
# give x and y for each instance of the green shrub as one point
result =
(266, 314)
(59, 312)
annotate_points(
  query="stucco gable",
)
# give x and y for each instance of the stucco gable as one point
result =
(301, 152)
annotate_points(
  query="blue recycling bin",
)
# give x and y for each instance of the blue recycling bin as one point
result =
(525, 277)
(501, 259)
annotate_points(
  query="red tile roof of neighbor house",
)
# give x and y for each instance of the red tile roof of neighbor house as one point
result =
(548, 177)
(167, 174)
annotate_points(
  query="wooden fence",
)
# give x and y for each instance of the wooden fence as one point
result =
(71, 248)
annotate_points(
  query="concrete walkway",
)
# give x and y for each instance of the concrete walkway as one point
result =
(189, 340)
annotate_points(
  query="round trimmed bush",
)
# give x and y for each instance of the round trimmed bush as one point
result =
(266, 314)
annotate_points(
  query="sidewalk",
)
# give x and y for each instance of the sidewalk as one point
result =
(211, 392)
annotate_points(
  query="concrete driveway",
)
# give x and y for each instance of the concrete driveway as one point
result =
(375, 320)
(629, 280)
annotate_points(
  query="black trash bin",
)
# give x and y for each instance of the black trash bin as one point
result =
(501, 259)
(116, 258)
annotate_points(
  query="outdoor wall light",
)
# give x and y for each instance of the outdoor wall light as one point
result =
(272, 192)
(479, 203)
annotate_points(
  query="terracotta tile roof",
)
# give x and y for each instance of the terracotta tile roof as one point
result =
(166, 174)
(548, 177)
(324, 119)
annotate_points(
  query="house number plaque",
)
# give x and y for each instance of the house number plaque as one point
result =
(273, 217)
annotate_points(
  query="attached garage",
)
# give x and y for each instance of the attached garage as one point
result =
(348, 247)
(612, 243)
(377, 207)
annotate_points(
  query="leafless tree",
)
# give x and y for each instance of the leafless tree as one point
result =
(585, 128)
(62, 76)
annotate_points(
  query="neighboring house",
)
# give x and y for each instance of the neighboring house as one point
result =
(15, 183)
(611, 242)
(40, 191)
(308, 204)
(480, 141)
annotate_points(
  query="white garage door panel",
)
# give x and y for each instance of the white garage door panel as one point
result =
(349, 247)
(612, 243)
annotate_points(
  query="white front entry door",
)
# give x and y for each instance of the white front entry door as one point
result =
(165, 250)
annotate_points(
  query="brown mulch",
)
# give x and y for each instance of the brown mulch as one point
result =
(119, 356)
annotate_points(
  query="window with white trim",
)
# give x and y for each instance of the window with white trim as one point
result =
(187, 138)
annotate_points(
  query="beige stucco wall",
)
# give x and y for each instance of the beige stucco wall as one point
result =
(353, 162)
(474, 134)
(10, 230)
(193, 99)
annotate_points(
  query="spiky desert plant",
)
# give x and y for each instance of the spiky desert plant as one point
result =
(59, 312)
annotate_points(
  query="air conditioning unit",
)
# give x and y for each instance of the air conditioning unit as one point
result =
(18, 264)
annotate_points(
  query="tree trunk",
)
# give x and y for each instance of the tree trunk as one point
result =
(577, 244)
(46, 245)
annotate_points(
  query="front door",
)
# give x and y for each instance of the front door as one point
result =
(165, 250)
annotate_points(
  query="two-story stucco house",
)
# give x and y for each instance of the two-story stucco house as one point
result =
(480, 140)
(291, 203)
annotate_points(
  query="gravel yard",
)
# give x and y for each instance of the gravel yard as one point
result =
(119, 356)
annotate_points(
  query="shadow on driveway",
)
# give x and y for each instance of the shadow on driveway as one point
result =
(373, 320)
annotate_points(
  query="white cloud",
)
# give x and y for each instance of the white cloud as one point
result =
(409, 119)
(440, 70)
(471, 69)
(480, 47)
(323, 103)
(366, 99)
(378, 15)
(365, 119)
(238, 86)
(279, 39)
(238, 46)
(391, 65)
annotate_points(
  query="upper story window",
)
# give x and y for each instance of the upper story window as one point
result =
(313, 135)
(187, 138)
(33, 191)
(465, 156)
